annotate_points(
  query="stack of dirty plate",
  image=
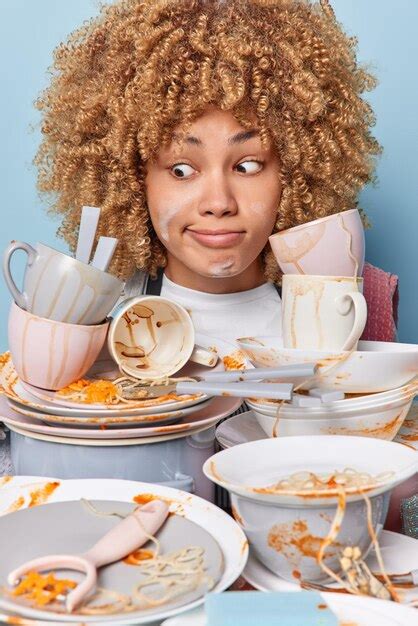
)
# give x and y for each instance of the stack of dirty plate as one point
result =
(165, 439)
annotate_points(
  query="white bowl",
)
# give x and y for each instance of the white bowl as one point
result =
(350, 402)
(381, 422)
(285, 531)
(376, 366)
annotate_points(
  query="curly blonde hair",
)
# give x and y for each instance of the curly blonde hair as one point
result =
(126, 79)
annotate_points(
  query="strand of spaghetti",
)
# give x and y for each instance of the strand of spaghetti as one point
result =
(121, 603)
(376, 546)
(329, 539)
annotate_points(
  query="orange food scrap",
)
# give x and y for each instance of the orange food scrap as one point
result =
(97, 391)
(16, 505)
(4, 480)
(144, 498)
(4, 358)
(40, 496)
(135, 558)
(233, 362)
(42, 589)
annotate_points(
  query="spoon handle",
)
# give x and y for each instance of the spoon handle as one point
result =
(87, 232)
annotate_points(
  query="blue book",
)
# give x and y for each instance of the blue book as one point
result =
(254, 608)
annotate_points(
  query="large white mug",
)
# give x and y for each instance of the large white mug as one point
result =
(152, 337)
(322, 312)
(58, 287)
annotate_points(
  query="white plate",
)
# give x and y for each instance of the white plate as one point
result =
(375, 366)
(109, 421)
(221, 526)
(350, 610)
(78, 441)
(400, 555)
(202, 416)
(17, 391)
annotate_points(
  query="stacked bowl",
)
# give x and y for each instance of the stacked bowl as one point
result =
(378, 382)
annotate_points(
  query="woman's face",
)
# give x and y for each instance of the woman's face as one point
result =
(213, 202)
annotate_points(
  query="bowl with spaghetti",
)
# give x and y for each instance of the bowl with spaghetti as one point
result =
(303, 503)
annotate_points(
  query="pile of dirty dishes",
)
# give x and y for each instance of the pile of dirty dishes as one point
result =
(162, 439)
(359, 387)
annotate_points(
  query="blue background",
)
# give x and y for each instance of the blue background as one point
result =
(30, 30)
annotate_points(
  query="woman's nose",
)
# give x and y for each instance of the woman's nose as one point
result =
(217, 198)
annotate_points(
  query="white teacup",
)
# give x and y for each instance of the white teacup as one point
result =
(151, 337)
(322, 312)
(58, 287)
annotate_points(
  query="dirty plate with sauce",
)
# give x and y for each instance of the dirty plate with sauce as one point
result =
(224, 534)
(206, 414)
(72, 527)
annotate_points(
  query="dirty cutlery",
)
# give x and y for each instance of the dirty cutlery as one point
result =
(273, 391)
(301, 370)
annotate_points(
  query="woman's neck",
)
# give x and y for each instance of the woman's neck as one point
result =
(252, 277)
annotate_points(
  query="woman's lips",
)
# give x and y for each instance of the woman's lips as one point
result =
(216, 238)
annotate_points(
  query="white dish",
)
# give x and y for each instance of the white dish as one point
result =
(78, 441)
(382, 422)
(99, 421)
(202, 416)
(249, 469)
(352, 610)
(221, 526)
(375, 366)
(244, 428)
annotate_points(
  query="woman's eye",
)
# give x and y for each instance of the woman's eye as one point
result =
(249, 167)
(182, 170)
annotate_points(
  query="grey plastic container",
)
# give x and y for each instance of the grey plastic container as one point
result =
(175, 463)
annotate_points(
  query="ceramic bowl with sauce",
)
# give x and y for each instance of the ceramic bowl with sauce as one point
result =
(50, 354)
(378, 415)
(286, 529)
(374, 367)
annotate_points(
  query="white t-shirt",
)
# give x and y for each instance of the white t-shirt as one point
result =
(251, 313)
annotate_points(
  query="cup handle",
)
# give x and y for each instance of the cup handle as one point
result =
(344, 304)
(20, 297)
(204, 357)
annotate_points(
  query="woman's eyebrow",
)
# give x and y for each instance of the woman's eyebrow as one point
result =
(238, 138)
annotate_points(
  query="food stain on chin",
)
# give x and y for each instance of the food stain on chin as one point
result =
(221, 269)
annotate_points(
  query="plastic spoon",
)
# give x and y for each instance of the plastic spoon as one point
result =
(124, 538)
(301, 370)
(87, 232)
(104, 253)
(273, 391)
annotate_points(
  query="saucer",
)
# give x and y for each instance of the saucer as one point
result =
(399, 552)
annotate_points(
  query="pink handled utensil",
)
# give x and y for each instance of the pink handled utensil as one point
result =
(124, 538)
